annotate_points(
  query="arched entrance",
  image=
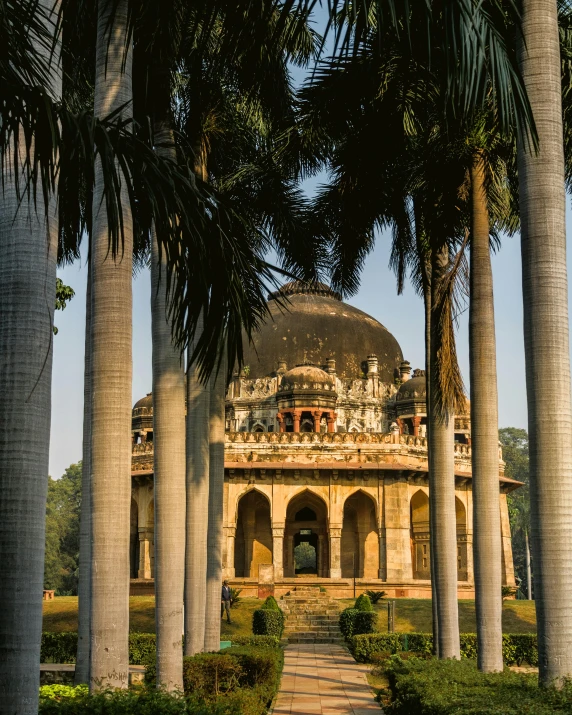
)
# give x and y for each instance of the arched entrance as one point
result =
(461, 519)
(253, 545)
(420, 551)
(360, 540)
(306, 551)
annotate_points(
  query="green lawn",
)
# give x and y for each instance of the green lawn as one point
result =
(410, 615)
(414, 615)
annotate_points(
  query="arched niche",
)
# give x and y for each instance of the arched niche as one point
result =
(134, 540)
(461, 521)
(306, 524)
(253, 544)
(420, 549)
(360, 539)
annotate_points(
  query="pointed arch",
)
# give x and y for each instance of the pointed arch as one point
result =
(360, 538)
(419, 519)
(306, 523)
(253, 538)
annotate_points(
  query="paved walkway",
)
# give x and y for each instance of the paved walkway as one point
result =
(324, 680)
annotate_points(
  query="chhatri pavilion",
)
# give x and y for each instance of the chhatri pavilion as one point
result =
(325, 461)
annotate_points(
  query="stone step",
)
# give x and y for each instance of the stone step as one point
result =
(317, 641)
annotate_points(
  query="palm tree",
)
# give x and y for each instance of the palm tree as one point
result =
(111, 368)
(28, 251)
(484, 430)
(546, 339)
(215, 531)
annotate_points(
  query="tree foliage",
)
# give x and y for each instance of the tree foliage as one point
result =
(62, 532)
(515, 454)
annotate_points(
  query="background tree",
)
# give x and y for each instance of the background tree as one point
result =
(62, 532)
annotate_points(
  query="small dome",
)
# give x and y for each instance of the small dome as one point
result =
(307, 377)
(415, 388)
(144, 405)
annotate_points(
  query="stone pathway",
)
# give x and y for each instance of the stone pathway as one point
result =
(323, 679)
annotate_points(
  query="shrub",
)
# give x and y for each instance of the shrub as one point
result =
(142, 702)
(363, 603)
(62, 692)
(375, 596)
(447, 687)
(211, 674)
(517, 648)
(62, 647)
(257, 641)
(267, 622)
(353, 622)
(507, 592)
(235, 596)
(271, 604)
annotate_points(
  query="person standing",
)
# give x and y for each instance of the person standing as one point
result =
(225, 601)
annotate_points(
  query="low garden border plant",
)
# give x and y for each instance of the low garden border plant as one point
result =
(268, 620)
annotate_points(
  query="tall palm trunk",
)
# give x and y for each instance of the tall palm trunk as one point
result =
(197, 510)
(28, 248)
(528, 569)
(215, 532)
(84, 584)
(111, 381)
(169, 451)
(546, 341)
(442, 479)
(487, 549)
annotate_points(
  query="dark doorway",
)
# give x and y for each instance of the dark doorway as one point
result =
(306, 553)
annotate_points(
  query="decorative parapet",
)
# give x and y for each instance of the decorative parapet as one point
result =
(142, 448)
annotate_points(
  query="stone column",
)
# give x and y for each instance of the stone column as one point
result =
(144, 554)
(416, 424)
(400, 424)
(397, 526)
(335, 552)
(281, 423)
(278, 551)
(508, 564)
(331, 419)
(296, 415)
(230, 540)
(317, 415)
(382, 554)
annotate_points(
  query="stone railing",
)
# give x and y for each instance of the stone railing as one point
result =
(143, 448)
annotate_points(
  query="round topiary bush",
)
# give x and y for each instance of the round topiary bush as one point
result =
(363, 603)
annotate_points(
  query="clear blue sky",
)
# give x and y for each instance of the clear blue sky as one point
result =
(402, 315)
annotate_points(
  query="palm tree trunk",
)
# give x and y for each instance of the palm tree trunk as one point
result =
(28, 248)
(215, 532)
(84, 584)
(442, 483)
(546, 341)
(487, 548)
(528, 569)
(111, 381)
(197, 510)
(169, 455)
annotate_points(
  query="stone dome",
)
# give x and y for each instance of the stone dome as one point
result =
(307, 377)
(144, 406)
(309, 324)
(413, 389)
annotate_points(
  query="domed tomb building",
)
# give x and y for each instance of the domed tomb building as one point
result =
(325, 461)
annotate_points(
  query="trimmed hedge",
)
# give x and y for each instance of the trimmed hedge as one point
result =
(258, 641)
(268, 620)
(517, 647)
(354, 622)
(449, 687)
(363, 603)
(62, 647)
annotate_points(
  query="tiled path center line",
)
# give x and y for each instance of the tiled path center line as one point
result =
(323, 680)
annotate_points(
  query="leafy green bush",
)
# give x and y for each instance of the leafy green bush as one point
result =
(235, 596)
(211, 674)
(145, 702)
(518, 648)
(268, 620)
(62, 692)
(448, 687)
(354, 622)
(363, 603)
(271, 604)
(62, 647)
(258, 641)
(375, 596)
